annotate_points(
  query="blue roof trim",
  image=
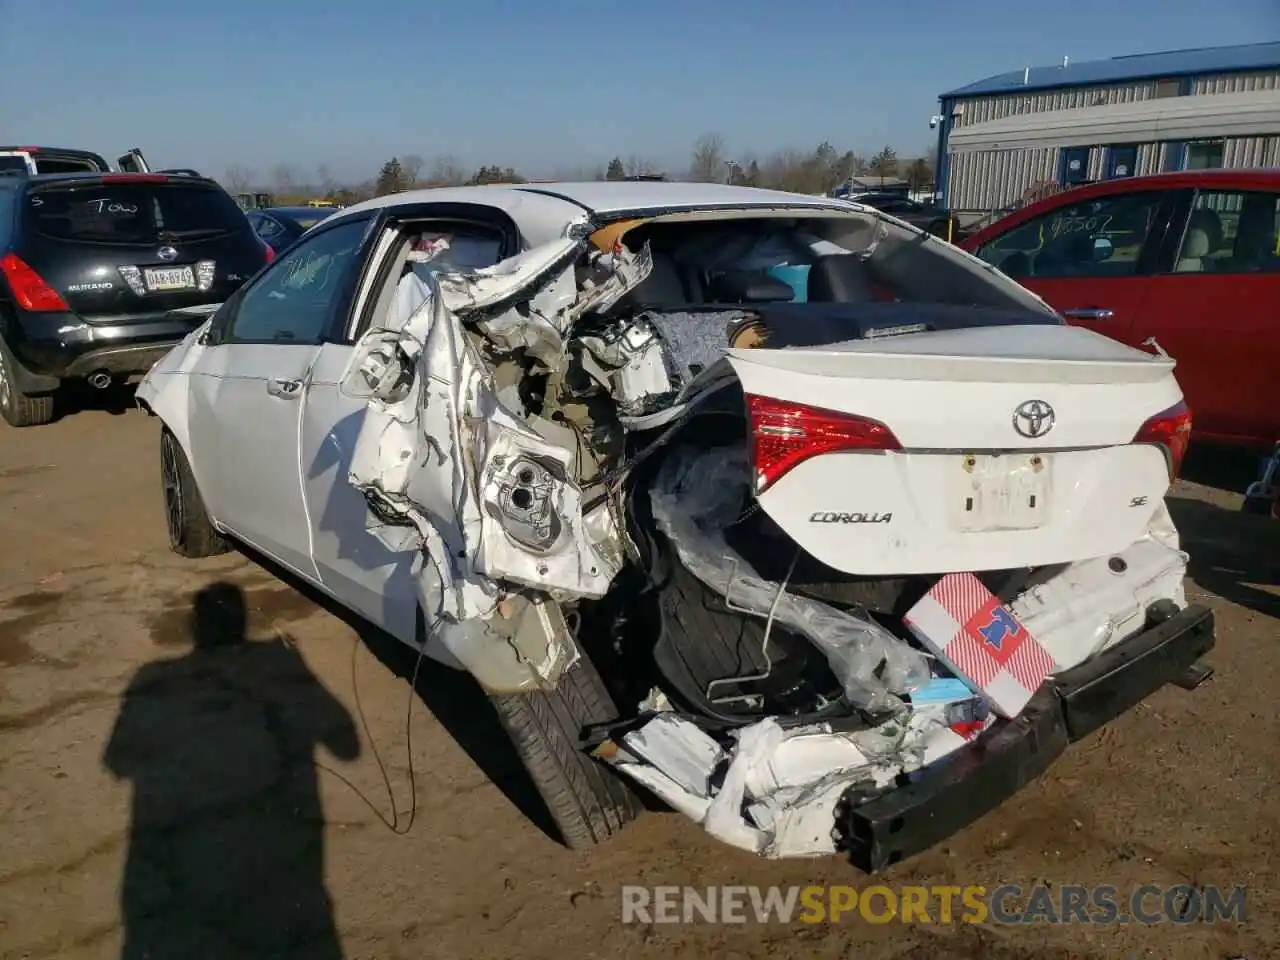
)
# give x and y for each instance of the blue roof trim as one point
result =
(1142, 66)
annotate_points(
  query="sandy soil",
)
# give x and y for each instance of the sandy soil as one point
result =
(171, 795)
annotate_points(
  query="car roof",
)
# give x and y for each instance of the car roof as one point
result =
(61, 151)
(116, 177)
(1254, 178)
(542, 210)
(293, 212)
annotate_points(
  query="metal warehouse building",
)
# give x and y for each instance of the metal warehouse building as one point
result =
(1012, 137)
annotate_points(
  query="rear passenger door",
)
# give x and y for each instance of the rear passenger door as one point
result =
(1090, 258)
(354, 562)
(1214, 305)
(249, 391)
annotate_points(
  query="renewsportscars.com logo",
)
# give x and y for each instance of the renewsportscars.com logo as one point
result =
(1005, 904)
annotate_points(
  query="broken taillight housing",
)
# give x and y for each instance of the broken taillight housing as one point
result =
(1170, 429)
(786, 434)
(29, 288)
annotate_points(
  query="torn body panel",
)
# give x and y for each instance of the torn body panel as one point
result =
(495, 503)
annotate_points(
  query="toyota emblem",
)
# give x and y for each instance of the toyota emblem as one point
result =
(1033, 418)
(167, 253)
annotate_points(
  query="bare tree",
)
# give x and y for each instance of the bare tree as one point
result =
(238, 179)
(708, 162)
(640, 166)
(412, 165)
(284, 178)
(327, 182)
(445, 172)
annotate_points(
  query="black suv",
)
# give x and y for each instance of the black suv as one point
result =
(102, 273)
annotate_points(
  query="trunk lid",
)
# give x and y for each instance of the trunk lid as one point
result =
(128, 247)
(970, 449)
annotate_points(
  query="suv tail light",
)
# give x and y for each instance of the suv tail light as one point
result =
(786, 434)
(1170, 429)
(270, 252)
(29, 288)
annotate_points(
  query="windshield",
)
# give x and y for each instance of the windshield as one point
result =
(132, 213)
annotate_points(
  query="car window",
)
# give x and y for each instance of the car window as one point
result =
(293, 300)
(441, 248)
(267, 227)
(1231, 232)
(131, 212)
(1100, 237)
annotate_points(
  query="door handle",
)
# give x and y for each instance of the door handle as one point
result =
(285, 389)
(1089, 313)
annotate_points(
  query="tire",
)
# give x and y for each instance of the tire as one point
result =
(20, 409)
(191, 532)
(1257, 506)
(587, 800)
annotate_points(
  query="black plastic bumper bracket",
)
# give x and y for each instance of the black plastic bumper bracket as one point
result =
(977, 778)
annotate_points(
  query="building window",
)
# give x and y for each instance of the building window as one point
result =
(1121, 161)
(1171, 88)
(1205, 154)
(1075, 166)
(1173, 156)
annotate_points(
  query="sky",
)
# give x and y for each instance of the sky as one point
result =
(549, 86)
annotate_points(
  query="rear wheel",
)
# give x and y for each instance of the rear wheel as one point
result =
(586, 799)
(20, 409)
(191, 532)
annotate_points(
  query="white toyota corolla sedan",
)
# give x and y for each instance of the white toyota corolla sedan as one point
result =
(667, 467)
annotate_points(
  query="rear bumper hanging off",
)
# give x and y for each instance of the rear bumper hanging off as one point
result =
(979, 777)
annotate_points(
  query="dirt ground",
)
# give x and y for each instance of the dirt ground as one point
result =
(148, 788)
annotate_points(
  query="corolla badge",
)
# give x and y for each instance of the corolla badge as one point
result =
(1033, 418)
(167, 253)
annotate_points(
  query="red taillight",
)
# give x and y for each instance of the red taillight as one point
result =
(134, 178)
(271, 252)
(29, 288)
(1170, 429)
(786, 434)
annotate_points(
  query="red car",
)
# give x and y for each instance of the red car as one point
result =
(1190, 260)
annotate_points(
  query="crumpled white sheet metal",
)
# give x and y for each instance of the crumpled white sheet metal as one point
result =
(695, 496)
(779, 787)
(434, 444)
(542, 324)
(1094, 604)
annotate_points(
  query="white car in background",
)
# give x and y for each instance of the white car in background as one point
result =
(662, 465)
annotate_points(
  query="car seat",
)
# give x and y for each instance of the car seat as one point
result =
(662, 288)
(840, 278)
(1204, 236)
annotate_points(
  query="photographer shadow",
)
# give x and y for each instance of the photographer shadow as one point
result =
(226, 843)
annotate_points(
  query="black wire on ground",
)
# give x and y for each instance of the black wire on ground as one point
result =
(393, 823)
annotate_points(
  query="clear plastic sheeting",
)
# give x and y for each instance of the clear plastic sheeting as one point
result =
(696, 495)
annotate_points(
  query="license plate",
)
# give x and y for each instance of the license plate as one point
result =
(1005, 492)
(170, 278)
